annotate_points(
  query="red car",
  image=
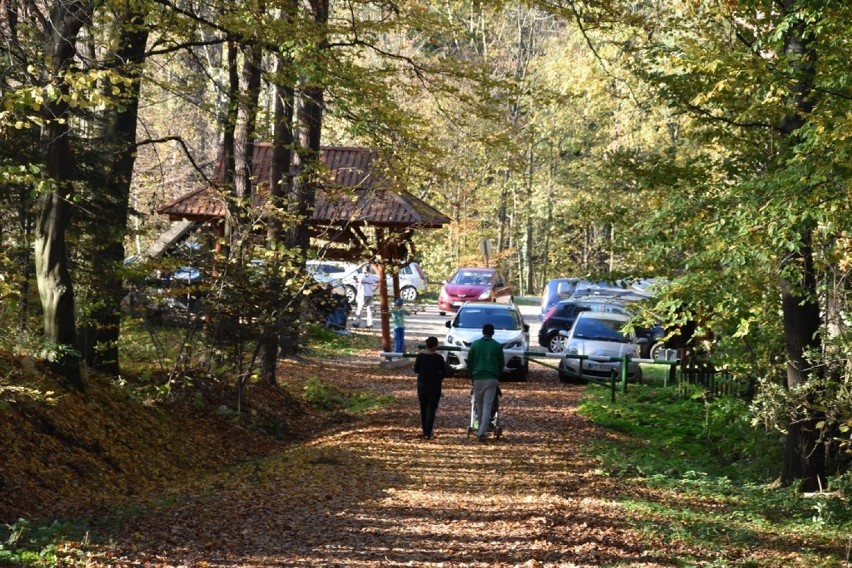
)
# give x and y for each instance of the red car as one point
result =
(473, 284)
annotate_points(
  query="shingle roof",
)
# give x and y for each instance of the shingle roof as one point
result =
(354, 191)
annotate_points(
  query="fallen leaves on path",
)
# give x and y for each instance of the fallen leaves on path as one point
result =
(163, 489)
(370, 492)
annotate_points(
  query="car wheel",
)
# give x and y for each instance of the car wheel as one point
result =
(564, 378)
(557, 343)
(524, 373)
(409, 293)
(655, 349)
(351, 293)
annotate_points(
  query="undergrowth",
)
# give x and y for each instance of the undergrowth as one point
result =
(327, 397)
(24, 543)
(698, 450)
(324, 342)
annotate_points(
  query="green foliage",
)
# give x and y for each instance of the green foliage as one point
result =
(704, 451)
(828, 398)
(24, 543)
(327, 397)
(324, 342)
(749, 192)
(673, 432)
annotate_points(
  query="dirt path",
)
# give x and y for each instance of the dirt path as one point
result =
(372, 493)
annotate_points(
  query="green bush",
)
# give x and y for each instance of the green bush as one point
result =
(26, 544)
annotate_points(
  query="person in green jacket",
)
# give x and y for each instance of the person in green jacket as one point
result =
(485, 361)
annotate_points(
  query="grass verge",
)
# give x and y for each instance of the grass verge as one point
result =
(711, 478)
(329, 398)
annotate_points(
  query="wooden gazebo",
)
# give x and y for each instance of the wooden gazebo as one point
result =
(359, 214)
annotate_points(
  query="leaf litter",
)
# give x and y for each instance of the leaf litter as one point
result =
(367, 491)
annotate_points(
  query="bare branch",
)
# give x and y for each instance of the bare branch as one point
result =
(183, 145)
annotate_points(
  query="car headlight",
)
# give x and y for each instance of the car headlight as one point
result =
(485, 294)
(517, 344)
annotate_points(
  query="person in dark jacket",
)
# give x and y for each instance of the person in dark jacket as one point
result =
(431, 370)
(485, 360)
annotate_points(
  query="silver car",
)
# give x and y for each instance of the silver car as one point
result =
(598, 336)
(412, 280)
(509, 329)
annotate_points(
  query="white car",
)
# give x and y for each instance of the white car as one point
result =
(509, 329)
(412, 281)
(598, 336)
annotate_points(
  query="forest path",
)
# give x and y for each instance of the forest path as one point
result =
(370, 492)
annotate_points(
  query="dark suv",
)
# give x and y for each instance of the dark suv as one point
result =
(561, 317)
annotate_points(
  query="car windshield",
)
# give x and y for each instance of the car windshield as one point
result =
(471, 278)
(600, 330)
(475, 318)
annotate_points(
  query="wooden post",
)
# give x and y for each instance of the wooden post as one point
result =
(383, 289)
(395, 276)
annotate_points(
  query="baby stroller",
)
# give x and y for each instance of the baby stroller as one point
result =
(494, 424)
(339, 313)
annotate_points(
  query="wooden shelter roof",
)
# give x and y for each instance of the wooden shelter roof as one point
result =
(355, 190)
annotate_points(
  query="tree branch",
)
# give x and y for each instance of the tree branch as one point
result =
(186, 151)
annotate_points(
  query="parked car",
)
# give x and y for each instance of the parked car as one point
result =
(509, 329)
(610, 291)
(473, 284)
(412, 280)
(556, 290)
(559, 289)
(598, 335)
(561, 318)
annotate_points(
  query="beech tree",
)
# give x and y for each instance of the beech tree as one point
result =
(110, 203)
(59, 36)
(749, 196)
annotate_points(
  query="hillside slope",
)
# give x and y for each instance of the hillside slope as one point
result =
(67, 453)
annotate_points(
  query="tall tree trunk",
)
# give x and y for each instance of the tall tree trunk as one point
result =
(246, 126)
(99, 341)
(305, 166)
(54, 212)
(247, 95)
(503, 210)
(23, 258)
(548, 220)
(804, 459)
(282, 153)
(528, 274)
(229, 136)
(307, 161)
(282, 156)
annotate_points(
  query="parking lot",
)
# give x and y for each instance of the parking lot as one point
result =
(426, 321)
